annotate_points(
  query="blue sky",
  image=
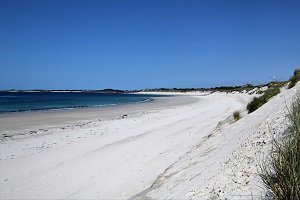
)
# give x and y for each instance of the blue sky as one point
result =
(59, 44)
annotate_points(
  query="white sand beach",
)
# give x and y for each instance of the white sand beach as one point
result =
(182, 147)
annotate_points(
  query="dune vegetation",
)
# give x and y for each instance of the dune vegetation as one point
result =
(295, 78)
(259, 101)
(273, 90)
(236, 115)
(281, 172)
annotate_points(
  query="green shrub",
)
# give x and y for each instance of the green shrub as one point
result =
(259, 101)
(254, 104)
(269, 93)
(281, 175)
(294, 79)
(236, 115)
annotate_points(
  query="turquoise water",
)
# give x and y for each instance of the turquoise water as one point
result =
(34, 101)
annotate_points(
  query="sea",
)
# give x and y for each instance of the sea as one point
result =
(38, 101)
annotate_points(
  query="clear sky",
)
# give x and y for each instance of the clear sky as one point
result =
(69, 44)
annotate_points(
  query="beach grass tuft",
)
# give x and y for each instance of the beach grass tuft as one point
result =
(236, 115)
(281, 172)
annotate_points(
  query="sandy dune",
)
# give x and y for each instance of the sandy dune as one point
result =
(164, 150)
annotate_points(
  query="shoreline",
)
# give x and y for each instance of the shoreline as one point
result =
(56, 118)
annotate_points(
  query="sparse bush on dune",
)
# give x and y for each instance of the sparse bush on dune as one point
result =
(273, 90)
(277, 84)
(269, 93)
(295, 78)
(281, 175)
(259, 101)
(254, 104)
(236, 115)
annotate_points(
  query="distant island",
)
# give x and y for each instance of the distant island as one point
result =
(246, 87)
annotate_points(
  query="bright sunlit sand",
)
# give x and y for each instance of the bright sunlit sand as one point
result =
(186, 146)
